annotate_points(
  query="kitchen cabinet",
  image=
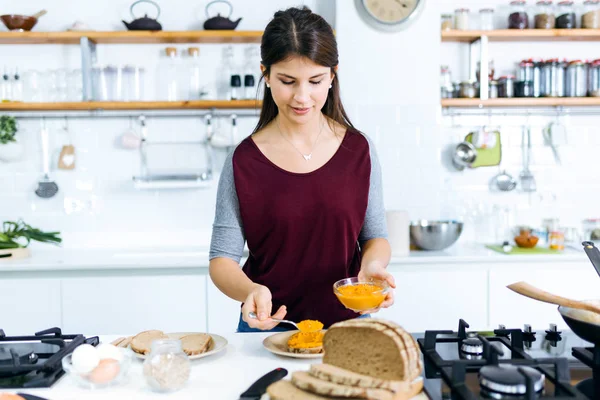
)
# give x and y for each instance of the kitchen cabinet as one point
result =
(29, 305)
(574, 280)
(437, 299)
(130, 304)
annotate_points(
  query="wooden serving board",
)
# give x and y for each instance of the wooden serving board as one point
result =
(14, 254)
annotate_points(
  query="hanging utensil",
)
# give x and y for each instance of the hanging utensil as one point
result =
(527, 179)
(504, 181)
(593, 254)
(66, 160)
(46, 187)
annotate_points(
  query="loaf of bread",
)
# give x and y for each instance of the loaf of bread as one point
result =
(196, 343)
(286, 390)
(373, 347)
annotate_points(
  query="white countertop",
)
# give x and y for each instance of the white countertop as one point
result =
(47, 258)
(224, 375)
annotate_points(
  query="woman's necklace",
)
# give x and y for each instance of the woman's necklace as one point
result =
(308, 156)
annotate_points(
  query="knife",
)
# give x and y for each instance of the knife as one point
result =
(30, 396)
(259, 387)
(593, 254)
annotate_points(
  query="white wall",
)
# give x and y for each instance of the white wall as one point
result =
(390, 89)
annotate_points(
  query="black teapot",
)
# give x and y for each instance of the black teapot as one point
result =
(145, 23)
(218, 22)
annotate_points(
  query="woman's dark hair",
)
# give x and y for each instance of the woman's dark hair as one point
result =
(300, 32)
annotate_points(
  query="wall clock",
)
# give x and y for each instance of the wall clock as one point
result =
(389, 15)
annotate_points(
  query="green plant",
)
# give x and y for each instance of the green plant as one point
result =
(19, 234)
(8, 129)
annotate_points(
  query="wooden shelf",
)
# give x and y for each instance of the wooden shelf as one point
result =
(518, 35)
(131, 37)
(523, 102)
(134, 105)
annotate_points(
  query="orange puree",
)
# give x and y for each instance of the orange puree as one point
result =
(309, 325)
(306, 340)
(360, 297)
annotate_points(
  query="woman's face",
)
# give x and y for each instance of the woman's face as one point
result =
(299, 87)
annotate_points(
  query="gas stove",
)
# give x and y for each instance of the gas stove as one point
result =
(509, 364)
(35, 361)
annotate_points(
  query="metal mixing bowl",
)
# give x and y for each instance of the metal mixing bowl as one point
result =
(435, 235)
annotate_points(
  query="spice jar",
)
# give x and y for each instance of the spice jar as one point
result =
(167, 367)
(518, 18)
(493, 89)
(576, 79)
(594, 78)
(556, 240)
(590, 19)
(523, 88)
(447, 22)
(506, 86)
(486, 19)
(566, 15)
(553, 78)
(461, 19)
(446, 86)
(544, 15)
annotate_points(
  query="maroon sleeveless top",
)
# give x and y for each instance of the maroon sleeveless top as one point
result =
(302, 229)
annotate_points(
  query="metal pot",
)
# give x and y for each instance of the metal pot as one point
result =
(464, 155)
(435, 235)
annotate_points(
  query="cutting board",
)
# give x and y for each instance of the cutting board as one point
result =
(14, 254)
(521, 251)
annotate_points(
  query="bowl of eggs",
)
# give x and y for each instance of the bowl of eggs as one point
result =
(98, 367)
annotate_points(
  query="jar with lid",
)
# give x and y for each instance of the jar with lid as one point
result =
(447, 22)
(525, 70)
(553, 78)
(506, 87)
(590, 18)
(486, 19)
(446, 86)
(493, 89)
(556, 240)
(461, 18)
(544, 15)
(594, 78)
(566, 18)
(523, 88)
(167, 367)
(467, 90)
(576, 79)
(518, 17)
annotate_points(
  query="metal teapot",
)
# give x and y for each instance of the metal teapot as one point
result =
(218, 22)
(144, 23)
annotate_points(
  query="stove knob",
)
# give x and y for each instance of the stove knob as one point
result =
(528, 334)
(553, 334)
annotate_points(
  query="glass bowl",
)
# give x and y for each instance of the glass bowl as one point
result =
(358, 295)
(108, 373)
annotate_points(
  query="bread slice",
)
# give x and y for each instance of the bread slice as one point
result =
(341, 376)
(315, 346)
(142, 342)
(309, 383)
(196, 343)
(285, 390)
(373, 347)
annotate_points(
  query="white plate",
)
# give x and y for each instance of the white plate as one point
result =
(219, 343)
(277, 344)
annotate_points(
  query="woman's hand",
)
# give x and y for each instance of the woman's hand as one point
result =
(259, 301)
(378, 271)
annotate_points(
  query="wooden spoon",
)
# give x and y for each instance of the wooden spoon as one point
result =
(527, 290)
(39, 14)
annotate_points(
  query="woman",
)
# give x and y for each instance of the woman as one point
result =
(304, 190)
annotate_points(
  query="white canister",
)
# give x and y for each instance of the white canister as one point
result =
(398, 225)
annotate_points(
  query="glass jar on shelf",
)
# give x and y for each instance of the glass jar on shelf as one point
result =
(544, 15)
(486, 19)
(446, 86)
(566, 18)
(556, 240)
(169, 76)
(518, 17)
(594, 78)
(461, 19)
(447, 22)
(491, 70)
(590, 18)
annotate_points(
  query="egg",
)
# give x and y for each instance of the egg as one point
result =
(85, 358)
(106, 350)
(106, 371)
